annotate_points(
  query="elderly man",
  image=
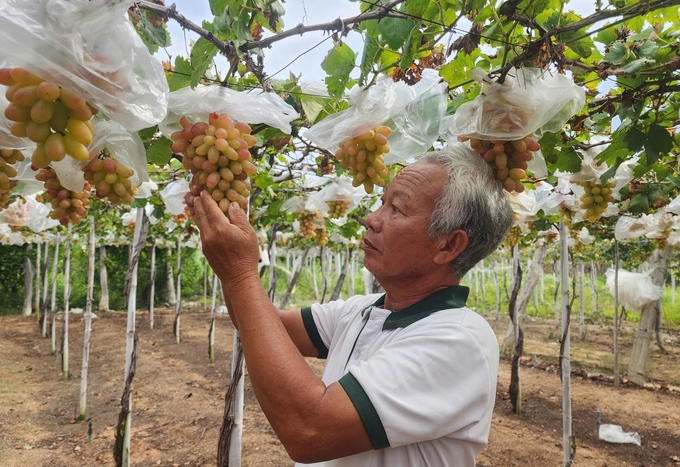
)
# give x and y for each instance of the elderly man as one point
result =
(410, 377)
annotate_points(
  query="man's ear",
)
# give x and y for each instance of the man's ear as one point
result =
(450, 246)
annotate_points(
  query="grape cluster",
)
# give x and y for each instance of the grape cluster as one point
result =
(364, 155)
(7, 172)
(596, 199)
(308, 221)
(217, 155)
(55, 118)
(514, 236)
(338, 208)
(110, 178)
(67, 206)
(508, 159)
(321, 236)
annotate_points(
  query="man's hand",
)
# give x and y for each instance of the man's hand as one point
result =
(229, 243)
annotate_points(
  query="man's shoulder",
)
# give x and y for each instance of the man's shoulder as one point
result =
(354, 303)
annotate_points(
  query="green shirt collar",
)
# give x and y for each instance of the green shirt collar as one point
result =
(450, 297)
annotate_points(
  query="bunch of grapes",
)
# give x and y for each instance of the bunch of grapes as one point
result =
(364, 156)
(217, 154)
(566, 215)
(321, 236)
(53, 117)
(110, 178)
(514, 236)
(338, 208)
(596, 199)
(68, 206)
(508, 159)
(7, 172)
(307, 222)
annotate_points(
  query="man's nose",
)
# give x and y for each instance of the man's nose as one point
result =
(372, 221)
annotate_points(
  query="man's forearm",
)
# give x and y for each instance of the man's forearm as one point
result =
(285, 386)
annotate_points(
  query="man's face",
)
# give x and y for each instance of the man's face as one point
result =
(396, 244)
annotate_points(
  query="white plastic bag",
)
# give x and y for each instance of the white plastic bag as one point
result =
(173, 196)
(28, 212)
(414, 114)
(124, 146)
(530, 100)
(91, 48)
(7, 139)
(340, 191)
(615, 434)
(636, 289)
(253, 106)
(628, 227)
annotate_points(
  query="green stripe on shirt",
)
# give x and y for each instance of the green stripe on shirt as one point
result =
(313, 332)
(369, 416)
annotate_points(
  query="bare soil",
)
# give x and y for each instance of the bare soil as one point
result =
(178, 399)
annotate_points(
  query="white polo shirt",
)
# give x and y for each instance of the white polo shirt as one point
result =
(422, 379)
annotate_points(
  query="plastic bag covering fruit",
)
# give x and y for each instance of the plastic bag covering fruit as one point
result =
(124, 146)
(530, 100)
(173, 196)
(91, 49)
(248, 107)
(7, 139)
(28, 212)
(636, 289)
(340, 196)
(413, 113)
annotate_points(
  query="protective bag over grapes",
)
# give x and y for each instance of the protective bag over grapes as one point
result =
(340, 197)
(504, 123)
(110, 141)
(210, 127)
(386, 123)
(91, 49)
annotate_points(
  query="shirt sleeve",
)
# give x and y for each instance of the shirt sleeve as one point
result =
(434, 382)
(320, 323)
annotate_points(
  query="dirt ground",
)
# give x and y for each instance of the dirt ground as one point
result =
(179, 399)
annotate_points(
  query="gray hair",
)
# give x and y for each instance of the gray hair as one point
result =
(472, 200)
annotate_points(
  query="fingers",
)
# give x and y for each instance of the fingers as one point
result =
(206, 212)
(237, 216)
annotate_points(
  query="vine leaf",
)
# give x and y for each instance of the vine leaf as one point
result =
(395, 31)
(202, 55)
(218, 6)
(338, 64)
(181, 75)
(159, 152)
(569, 160)
(659, 142)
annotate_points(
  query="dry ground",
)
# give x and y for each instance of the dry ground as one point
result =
(179, 398)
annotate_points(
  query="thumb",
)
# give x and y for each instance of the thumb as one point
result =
(237, 216)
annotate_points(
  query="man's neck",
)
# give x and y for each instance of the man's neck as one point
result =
(398, 297)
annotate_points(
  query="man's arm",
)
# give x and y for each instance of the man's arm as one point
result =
(314, 422)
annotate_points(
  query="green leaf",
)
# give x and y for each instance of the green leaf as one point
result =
(616, 54)
(639, 203)
(617, 149)
(263, 180)
(569, 160)
(659, 142)
(368, 57)
(159, 152)
(181, 76)
(338, 64)
(674, 180)
(218, 6)
(634, 139)
(202, 55)
(606, 36)
(542, 224)
(662, 171)
(139, 203)
(417, 7)
(611, 171)
(312, 106)
(147, 135)
(411, 48)
(635, 65)
(395, 31)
